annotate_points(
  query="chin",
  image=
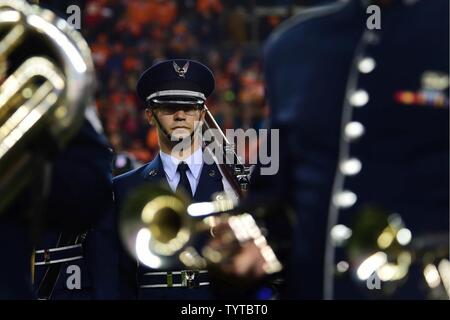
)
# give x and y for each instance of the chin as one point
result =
(180, 134)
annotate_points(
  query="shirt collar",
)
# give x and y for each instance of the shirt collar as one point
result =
(194, 161)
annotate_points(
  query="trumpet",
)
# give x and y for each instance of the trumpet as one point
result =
(383, 252)
(159, 228)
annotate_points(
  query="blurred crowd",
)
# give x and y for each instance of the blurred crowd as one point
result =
(127, 37)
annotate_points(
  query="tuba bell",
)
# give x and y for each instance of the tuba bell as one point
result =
(46, 81)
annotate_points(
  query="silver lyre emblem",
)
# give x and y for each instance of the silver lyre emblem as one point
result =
(181, 71)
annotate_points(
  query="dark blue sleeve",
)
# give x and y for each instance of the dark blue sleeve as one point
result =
(127, 265)
(80, 193)
(81, 184)
(101, 252)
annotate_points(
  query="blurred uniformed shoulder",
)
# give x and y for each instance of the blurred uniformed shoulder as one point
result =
(129, 175)
(305, 15)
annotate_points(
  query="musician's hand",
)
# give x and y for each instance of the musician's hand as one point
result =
(233, 260)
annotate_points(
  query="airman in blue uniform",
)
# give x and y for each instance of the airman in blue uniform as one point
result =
(174, 93)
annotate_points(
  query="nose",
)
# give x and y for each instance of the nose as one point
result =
(179, 115)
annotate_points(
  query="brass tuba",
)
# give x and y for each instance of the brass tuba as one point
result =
(46, 81)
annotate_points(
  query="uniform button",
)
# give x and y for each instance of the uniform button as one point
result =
(344, 199)
(353, 130)
(350, 166)
(340, 233)
(366, 65)
(153, 173)
(359, 98)
(342, 266)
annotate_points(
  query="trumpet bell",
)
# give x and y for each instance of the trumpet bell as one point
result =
(379, 248)
(383, 250)
(154, 226)
(161, 229)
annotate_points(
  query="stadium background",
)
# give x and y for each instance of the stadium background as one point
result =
(128, 36)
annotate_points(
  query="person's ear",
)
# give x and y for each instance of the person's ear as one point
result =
(150, 116)
(202, 115)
